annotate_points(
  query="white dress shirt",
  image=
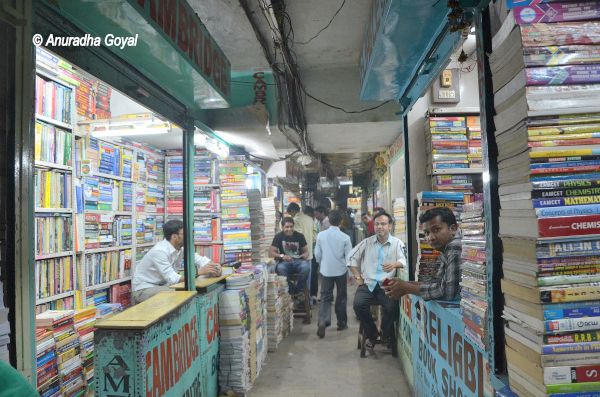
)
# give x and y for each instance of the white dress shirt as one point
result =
(333, 251)
(158, 266)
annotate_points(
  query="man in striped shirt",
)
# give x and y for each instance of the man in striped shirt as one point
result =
(373, 261)
(440, 228)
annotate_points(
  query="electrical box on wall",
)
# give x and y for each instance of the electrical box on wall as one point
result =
(446, 88)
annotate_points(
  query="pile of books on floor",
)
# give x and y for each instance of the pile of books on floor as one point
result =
(257, 223)
(550, 194)
(59, 365)
(427, 256)
(235, 211)
(473, 294)
(268, 206)
(84, 321)
(234, 347)
(279, 310)
(258, 316)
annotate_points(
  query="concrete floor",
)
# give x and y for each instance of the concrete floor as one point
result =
(306, 366)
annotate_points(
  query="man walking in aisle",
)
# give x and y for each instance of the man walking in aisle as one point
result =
(332, 252)
(322, 224)
(372, 261)
(157, 269)
(441, 232)
(290, 249)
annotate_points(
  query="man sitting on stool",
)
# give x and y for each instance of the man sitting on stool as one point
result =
(156, 270)
(372, 261)
(290, 250)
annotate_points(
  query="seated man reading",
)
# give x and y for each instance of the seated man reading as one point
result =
(156, 271)
(373, 261)
(290, 250)
(440, 227)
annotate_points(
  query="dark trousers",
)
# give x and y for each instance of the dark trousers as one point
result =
(363, 299)
(314, 278)
(341, 298)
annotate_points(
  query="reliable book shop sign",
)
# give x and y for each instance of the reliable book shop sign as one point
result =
(445, 362)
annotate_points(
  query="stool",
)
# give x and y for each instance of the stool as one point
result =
(377, 317)
(302, 313)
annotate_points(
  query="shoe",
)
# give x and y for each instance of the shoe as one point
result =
(369, 344)
(342, 327)
(321, 331)
(313, 300)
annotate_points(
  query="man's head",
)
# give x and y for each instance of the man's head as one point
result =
(308, 210)
(293, 209)
(335, 218)
(287, 224)
(439, 226)
(383, 224)
(365, 218)
(173, 232)
(320, 213)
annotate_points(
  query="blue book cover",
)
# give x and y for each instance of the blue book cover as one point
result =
(552, 178)
(583, 163)
(576, 210)
(581, 394)
(591, 310)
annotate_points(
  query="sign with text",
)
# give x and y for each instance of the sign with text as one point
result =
(207, 305)
(162, 360)
(445, 363)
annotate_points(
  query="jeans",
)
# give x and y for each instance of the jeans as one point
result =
(363, 299)
(341, 298)
(314, 278)
(299, 267)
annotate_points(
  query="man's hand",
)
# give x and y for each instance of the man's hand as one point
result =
(287, 258)
(388, 267)
(210, 270)
(395, 289)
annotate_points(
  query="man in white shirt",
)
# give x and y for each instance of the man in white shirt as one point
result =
(373, 261)
(156, 271)
(333, 251)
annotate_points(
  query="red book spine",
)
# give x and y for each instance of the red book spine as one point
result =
(564, 170)
(589, 373)
(569, 226)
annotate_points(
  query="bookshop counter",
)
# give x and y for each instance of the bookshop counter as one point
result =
(438, 359)
(165, 346)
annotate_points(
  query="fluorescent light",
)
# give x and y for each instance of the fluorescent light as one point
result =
(130, 132)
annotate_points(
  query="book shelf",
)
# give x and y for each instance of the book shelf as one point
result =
(55, 261)
(208, 240)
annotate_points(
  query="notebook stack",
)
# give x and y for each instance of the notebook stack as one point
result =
(257, 223)
(268, 206)
(473, 294)
(427, 256)
(545, 71)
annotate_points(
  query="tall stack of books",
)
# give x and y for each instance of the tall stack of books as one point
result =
(448, 143)
(545, 73)
(278, 310)
(48, 383)
(427, 256)
(268, 206)
(473, 282)
(84, 321)
(235, 211)
(257, 223)
(474, 154)
(234, 347)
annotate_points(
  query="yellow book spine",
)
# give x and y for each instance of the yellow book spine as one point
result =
(562, 153)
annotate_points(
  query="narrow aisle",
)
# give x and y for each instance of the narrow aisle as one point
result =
(306, 366)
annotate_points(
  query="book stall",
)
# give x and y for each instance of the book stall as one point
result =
(520, 172)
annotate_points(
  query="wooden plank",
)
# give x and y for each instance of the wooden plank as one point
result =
(148, 312)
(202, 283)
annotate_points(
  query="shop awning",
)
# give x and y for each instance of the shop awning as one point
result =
(172, 47)
(406, 45)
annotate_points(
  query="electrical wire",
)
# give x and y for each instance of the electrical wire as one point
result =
(325, 27)
(341, 108)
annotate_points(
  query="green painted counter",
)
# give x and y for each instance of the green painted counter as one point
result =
(165, 346)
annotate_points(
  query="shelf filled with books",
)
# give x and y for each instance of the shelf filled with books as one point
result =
(55, 270)
(237, 238)
(207, 200)
(549, 157)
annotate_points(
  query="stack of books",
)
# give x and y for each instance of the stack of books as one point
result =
(399, 213)
(545, 73)
(234, 347)
(268, 206)
(85, 319)
(427, 256)
(475, 156)
(235, 211)
(473, 282)
(257, 223)
(448, 143)
(278, 310)
(48, 383)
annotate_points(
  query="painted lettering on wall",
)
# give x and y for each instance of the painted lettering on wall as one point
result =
(168, 362)
(116, 377)
(260, 88)
(449, 362)
(212, 323)
(181, 25)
